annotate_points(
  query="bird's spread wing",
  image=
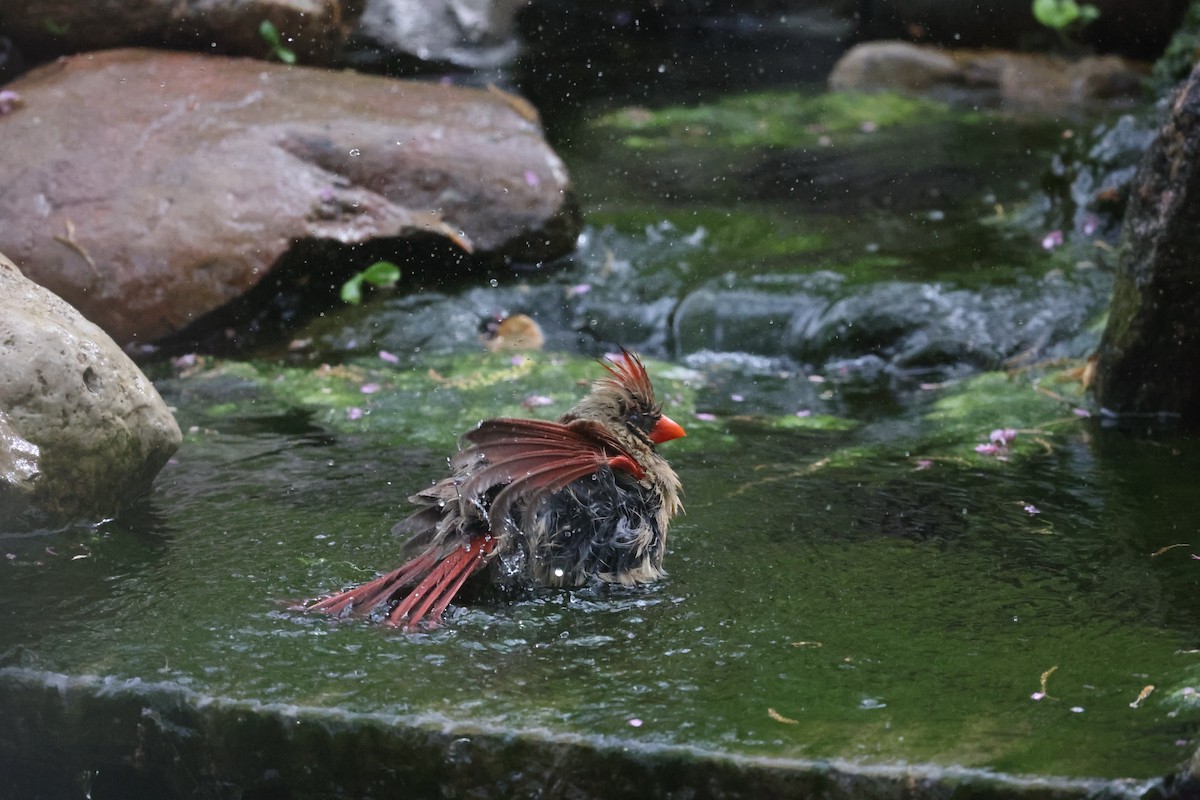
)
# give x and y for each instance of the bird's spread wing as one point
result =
(528, 457)
(520, 458)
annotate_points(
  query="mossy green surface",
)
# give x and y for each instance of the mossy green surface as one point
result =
(774, 119)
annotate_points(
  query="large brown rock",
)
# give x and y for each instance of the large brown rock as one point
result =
(82, 430)
(312, 29)
(1147, 358)
(149, 188)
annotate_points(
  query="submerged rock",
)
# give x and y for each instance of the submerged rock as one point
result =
(82, 430)
(149, 188)
(925, 330)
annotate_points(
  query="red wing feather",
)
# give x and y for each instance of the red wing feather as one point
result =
(529, 456)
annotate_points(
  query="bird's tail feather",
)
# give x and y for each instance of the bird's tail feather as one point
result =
(437, 581)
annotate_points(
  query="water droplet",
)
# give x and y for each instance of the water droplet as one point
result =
(355, 152)
(493, 283)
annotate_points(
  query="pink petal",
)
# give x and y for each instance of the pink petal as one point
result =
(1002, 436)
(369, 388)
(390, 358)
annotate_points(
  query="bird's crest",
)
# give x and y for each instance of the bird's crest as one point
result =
(629, 374)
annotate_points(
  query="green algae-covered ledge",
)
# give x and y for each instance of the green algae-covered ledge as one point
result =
(73, 736)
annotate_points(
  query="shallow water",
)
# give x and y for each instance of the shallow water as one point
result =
(873, 608)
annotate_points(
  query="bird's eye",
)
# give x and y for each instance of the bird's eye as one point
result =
(641, 420)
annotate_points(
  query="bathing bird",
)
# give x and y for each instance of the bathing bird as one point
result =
(586, 498)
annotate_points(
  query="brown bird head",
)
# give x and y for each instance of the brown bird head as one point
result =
(624, 402)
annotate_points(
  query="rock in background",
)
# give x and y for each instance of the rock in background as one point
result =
(1015, 81)
(82, 430)
(1146, 361)
(151, 188)
(473, 34)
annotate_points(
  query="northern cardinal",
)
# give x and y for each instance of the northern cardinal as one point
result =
(548, 503)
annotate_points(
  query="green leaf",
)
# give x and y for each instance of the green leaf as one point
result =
(269, 33)
(56, 28)
(381, 273)
(1061, 14)
(352, 290)
(1056, 14)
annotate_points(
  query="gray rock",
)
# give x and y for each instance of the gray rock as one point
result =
(470, 33)
(1145, 361)
(82, 430)
(19, 459)
(150, 188)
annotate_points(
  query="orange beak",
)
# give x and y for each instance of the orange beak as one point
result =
(666, 429)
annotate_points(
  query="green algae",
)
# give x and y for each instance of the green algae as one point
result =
(774, 119)
(425, 405)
